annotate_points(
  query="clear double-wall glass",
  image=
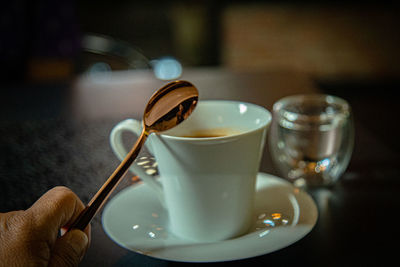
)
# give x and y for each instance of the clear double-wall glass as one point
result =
(311, 138)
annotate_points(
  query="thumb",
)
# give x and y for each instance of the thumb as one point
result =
(69, 249)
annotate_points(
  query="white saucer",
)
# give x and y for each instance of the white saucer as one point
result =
(136, 220)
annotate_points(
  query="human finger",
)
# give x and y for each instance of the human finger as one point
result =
(56, 208)
(69, 249)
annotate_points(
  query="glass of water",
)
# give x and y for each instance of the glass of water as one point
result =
(311, 138)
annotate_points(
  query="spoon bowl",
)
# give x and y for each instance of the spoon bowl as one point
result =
(169, 106)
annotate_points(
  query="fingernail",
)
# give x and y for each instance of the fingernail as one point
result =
(78, 241)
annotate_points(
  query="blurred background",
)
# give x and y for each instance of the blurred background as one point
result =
(345, 48)
(331, 41)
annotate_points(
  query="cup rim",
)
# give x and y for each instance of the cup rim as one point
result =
(229, 102)
(280, 108)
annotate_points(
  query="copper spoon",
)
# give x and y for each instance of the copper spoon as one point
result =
(168, 107)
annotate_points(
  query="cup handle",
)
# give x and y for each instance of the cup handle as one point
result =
(120, 151)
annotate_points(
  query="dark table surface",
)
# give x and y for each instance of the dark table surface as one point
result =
(57, 134)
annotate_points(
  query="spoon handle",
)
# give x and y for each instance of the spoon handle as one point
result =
(97, 202)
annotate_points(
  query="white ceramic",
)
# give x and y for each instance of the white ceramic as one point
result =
(208, 184)
(136, 220)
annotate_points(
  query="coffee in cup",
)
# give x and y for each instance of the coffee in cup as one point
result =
(211, 133)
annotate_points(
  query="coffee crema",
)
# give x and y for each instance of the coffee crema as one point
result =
(210, 133)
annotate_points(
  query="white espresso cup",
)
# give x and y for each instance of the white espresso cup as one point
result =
(208, 167)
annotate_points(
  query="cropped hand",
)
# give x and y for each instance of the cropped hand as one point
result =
(31, 237)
